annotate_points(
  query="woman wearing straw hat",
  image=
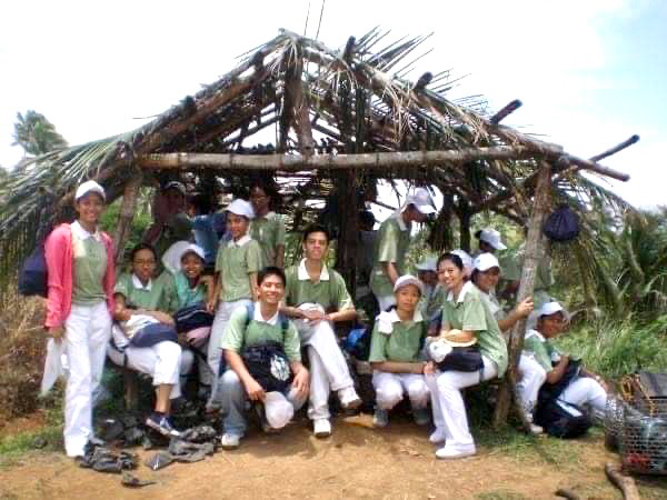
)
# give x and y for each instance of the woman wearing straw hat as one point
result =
(485, 276)
(80, 264)
(466, 319)
(396, 344)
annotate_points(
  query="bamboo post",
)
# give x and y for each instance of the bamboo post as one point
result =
(127, 209)
(533, 253)
(346, 251)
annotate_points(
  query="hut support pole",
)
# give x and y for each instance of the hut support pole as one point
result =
(533, 252)
(348, 235)
(127, 209)
(465, 215)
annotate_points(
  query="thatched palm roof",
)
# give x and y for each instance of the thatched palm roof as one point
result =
(348, 109)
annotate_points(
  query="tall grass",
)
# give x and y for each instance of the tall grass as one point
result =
(615, 348)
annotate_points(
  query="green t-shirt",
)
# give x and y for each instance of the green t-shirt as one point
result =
(403, 344)
(511, 271)
(159, 295)
(269, 232)
(330, 291)
(471, 312)
(188, 296)
(235, 262)
(90, 266)
(392, 245)
(238, 336)
(541, 349)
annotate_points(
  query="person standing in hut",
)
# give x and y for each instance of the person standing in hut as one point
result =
(236, 268)
(81, 275)
(318, 297)
(267, 228)
(392, 245)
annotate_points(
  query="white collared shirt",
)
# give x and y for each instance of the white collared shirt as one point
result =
(136, 283)
(257, 316)
(302, 272)
(387, 319)
(534, 333)
(240, 242)
(83, 234)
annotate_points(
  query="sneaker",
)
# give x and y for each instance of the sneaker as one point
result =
(322, 428)
(349, 399)
(230, 441)
(437, 436)
(162, 425)
(380, 418)
(535, 429)
(452, 452)
(421, 416)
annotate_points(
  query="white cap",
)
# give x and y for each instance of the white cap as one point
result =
(438, 350)
(549, 308)
(241, 207)
(178, 186)
(428, 264)
(485, 261)
(466, 259)
(89, 187)
(492, 237)
(171, 258)
(422, 200)
(278, 410)
(192, 248)
(408, 279)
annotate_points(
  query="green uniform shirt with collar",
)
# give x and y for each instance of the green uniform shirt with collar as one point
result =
(541, 349)
(238, 336)
(330, 291)
(403, 344)
(269, 232)
(188, 296)
(235, 262)
(159, 295)
(471, 312)
(392, 245)
(90, 266)
(544, 279)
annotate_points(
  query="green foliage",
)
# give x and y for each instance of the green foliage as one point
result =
(35, 134)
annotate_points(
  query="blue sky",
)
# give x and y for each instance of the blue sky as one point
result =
(590, 72)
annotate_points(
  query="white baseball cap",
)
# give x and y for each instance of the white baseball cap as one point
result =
(549, 308)
(408, 279)
(485, 261)
(492, 237)
(241, 207)
(89, 187)
(178, 186)
(428, 264)
(277, 409)
(192, 248)
(466, 259)
(422, 200)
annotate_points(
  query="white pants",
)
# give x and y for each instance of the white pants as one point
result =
(391, 387)
(449, 412)
(585, 391)
(386, 301)
(222, 315)
(531, 377)
(328, 368)
(87, 333)
(161, 361)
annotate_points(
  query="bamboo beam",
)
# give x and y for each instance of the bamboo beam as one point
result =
(533, 253)
(505, 112)
(127, 210)
(230, 161)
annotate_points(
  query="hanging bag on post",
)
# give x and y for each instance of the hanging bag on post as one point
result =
(562, 225)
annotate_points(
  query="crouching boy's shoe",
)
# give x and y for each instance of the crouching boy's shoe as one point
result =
(230, 441)
(161, 424)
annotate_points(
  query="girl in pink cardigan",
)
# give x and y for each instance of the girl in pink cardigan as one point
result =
(80, 264)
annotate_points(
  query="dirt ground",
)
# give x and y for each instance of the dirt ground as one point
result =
(356, 462)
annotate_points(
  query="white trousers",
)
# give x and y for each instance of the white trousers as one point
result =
(87, 333)
(161, 361)
(449, 412)
(386, 301)
(328, 368)
(531, 377)
(222, 315)
(586, 391)
(391, 387)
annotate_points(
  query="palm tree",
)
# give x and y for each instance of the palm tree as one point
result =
(35, 134)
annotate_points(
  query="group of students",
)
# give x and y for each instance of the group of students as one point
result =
(260, 308)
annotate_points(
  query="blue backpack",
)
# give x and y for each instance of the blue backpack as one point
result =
(33, 278)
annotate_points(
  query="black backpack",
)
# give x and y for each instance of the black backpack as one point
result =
(562, 420)
(34, 278)
(562, 225)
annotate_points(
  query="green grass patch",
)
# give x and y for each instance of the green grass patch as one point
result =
(501, 495)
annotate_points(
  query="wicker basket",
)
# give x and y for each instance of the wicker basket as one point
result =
(642, 435)
(613, 418)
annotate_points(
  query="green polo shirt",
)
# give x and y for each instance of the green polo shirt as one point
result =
(511, 271)
(403, 344)
(238, 336)
(330, 291)
(269, 232)
(392, 245)
(541, 349)
(159, 295)
(90, 266)
(470, 312)
(235, 262)
(188, 296)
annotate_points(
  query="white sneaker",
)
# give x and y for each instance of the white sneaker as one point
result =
(230, 441)
(536, 430)
(349, 399)
(322, 428)
(452, 452)
(437, 436)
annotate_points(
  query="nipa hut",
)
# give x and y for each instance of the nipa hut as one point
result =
(340, 120)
